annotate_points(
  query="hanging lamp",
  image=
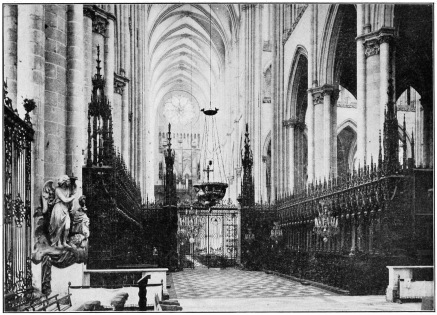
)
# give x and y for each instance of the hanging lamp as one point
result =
(210, 192)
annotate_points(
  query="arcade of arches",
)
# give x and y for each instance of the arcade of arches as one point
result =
(313, 83)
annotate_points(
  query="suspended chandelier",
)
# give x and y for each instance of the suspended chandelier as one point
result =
(326, 225)
(276, 232)
(213, 188)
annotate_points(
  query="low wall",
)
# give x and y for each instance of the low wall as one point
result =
(157, 276)
(358, 274)
(61, 278)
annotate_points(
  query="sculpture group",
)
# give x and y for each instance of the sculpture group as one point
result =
(61, 228)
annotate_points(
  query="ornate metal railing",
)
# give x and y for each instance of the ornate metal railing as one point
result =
(18, 135)
(360, 202)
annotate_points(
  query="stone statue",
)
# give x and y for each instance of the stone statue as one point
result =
(60, 219)
(81, 225)
(61, 231)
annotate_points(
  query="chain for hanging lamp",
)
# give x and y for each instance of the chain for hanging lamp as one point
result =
(209, 193)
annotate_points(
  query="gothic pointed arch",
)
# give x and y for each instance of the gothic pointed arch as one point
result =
(338, 54)
(346, 146)
(296, 108)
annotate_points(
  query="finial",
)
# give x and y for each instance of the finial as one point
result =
(380, 149)
(98, 61)
(412, 144)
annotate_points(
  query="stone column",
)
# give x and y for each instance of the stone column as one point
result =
(55, 113)
(325, 115)
(310, 130)
(281, 93)
(10, 15)
(291, 161)
(384, 68)
(75, 91)
(327, 132)
(318, 134)
(310, 106)
(88, 67)
(361, 87)
(125, 98)
(275, 69)
(334, 97)
(373, 103)
(110, 56)
(30, 84)
(258, 76)
(377, 52)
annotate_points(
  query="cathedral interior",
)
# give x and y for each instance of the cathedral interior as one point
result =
(149, 140)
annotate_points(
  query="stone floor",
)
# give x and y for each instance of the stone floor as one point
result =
(233, 290)
(201, 283)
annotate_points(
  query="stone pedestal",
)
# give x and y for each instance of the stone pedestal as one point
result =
(36, 276)
(61, 277)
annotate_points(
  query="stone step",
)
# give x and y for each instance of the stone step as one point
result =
(90, 306)
(170, 302)
(171, 308)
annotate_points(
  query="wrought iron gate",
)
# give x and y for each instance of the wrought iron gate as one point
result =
(18, 135)
(208, 239)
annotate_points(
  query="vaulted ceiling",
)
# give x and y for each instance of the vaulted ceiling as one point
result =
(188, 46)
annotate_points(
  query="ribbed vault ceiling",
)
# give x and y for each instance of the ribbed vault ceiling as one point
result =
(185, 41)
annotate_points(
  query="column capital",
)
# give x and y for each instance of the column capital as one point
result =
(245, 7)
(372, 41)
(120, 83)
(294, 123)
(320, 91)
(88, 11)
(99, 17)
(371, 47)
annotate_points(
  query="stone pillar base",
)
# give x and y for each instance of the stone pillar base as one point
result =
(390, 294)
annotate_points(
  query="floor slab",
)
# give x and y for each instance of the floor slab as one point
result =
(234, 290)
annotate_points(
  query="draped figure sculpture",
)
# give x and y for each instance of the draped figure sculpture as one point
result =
(59, 228)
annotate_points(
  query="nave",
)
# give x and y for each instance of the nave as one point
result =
(141, 139)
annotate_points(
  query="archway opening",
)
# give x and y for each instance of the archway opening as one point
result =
(414, 68)
(345, 60)
(346, 150)
(300, 137)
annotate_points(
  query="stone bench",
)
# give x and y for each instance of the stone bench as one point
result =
(402, 286)
(156, 274)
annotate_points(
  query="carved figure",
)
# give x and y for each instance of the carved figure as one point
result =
(55, 245)
(81, 222)
(60, 219)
